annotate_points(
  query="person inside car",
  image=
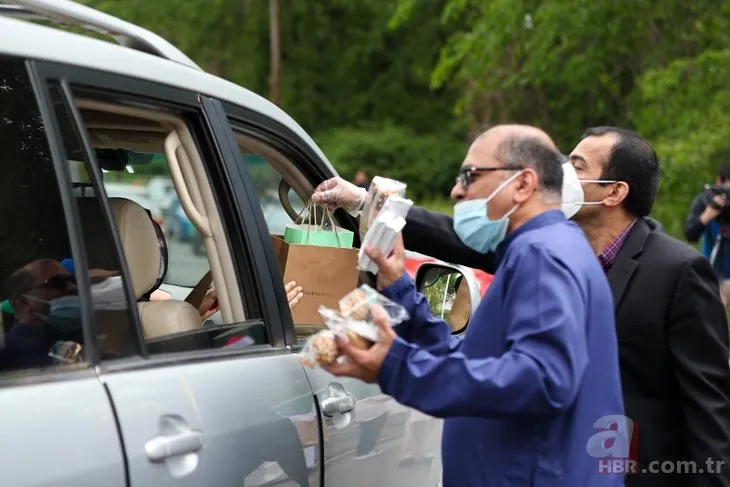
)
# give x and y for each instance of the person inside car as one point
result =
(44, 299)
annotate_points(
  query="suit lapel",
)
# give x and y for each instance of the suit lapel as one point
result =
(620, 274)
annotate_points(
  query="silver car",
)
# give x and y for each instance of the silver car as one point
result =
(114, 371)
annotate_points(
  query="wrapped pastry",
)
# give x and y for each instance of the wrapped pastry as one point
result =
(320, 349)
(353, 322)
(380, 190)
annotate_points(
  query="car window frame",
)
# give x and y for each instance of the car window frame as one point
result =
(57, 154)
(282, 139)
(119, 89)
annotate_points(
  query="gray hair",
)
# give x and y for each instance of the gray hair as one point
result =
(526, 151)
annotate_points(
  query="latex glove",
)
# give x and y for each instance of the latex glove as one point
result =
(338, 193)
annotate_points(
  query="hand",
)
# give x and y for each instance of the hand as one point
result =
(338, 193)
(160, 295)
(98, 275)
(293, 294)
(710, 212)
(390, 268)
(209, 305)
(365, 364)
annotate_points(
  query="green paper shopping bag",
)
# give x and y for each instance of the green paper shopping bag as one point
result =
(317, 231)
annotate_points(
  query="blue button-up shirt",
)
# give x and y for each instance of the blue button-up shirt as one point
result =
(536, 369)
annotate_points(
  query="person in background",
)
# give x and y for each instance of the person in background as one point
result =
(708, 220)
(671, 324)
(362, 180)
(520, 392)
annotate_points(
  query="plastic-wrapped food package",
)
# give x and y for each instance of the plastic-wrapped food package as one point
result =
(384, 230)
(380, 189)
(353, 322)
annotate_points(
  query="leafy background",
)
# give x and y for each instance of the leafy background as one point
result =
(398, 87)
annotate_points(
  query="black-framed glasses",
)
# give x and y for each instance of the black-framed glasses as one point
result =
(467, 173)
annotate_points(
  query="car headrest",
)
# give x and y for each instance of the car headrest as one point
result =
(140, 243)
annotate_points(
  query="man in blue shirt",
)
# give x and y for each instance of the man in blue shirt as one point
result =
(523, 391)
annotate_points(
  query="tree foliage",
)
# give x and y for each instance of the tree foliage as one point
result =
(394, 86)
(657, 66)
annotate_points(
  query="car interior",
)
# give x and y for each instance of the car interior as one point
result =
(115, 132)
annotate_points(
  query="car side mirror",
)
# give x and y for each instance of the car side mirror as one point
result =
(451, 291)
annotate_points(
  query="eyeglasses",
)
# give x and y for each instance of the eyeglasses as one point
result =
(467, 173)
(59, 282)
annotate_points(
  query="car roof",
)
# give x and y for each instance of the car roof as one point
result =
(33, 41)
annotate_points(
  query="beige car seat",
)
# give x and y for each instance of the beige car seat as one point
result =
(142, 252)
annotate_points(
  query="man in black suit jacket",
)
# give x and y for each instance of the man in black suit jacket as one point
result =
(671, 324)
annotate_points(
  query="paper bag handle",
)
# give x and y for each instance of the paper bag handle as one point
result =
(327, 214)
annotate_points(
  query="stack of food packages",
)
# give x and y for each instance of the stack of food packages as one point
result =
(353, 322)
(382, 219)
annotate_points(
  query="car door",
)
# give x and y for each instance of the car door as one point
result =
(378, 441)
(58, 426)
(224, 405)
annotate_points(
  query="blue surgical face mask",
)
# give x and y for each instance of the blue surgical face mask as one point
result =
(64, 314)
(473, 226)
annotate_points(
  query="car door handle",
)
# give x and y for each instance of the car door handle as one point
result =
(163, 447)
(337, 401)
(337, 405)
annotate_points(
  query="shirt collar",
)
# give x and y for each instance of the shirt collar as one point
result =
(608, 255)
(543, 219)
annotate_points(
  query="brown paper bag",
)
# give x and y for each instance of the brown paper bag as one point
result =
(325, 275)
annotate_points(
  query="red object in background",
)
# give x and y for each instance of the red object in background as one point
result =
(413, 262)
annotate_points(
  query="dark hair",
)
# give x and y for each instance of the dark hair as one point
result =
(532, 152)
(632, 160)
(19, 282)
(724, 173)
(22, 280)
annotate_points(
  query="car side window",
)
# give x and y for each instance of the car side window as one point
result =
(182, 305)
(40, 319)
(280, 204)
(116, 330)
(267, 181)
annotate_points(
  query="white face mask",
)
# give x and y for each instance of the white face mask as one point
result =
(109, 294)
(573, 196)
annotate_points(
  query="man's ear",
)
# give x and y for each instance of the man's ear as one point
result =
(618, 192)
(527, 184)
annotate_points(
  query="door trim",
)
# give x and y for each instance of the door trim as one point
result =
(262, 262)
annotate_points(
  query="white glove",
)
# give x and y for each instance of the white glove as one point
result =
(338, 193)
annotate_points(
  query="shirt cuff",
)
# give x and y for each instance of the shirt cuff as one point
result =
(393, 360)
(399, 288)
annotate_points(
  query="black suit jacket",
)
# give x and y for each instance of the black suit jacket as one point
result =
(673, 345)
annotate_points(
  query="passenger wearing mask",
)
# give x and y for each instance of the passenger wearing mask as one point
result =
(520, 392)
(44, 299)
